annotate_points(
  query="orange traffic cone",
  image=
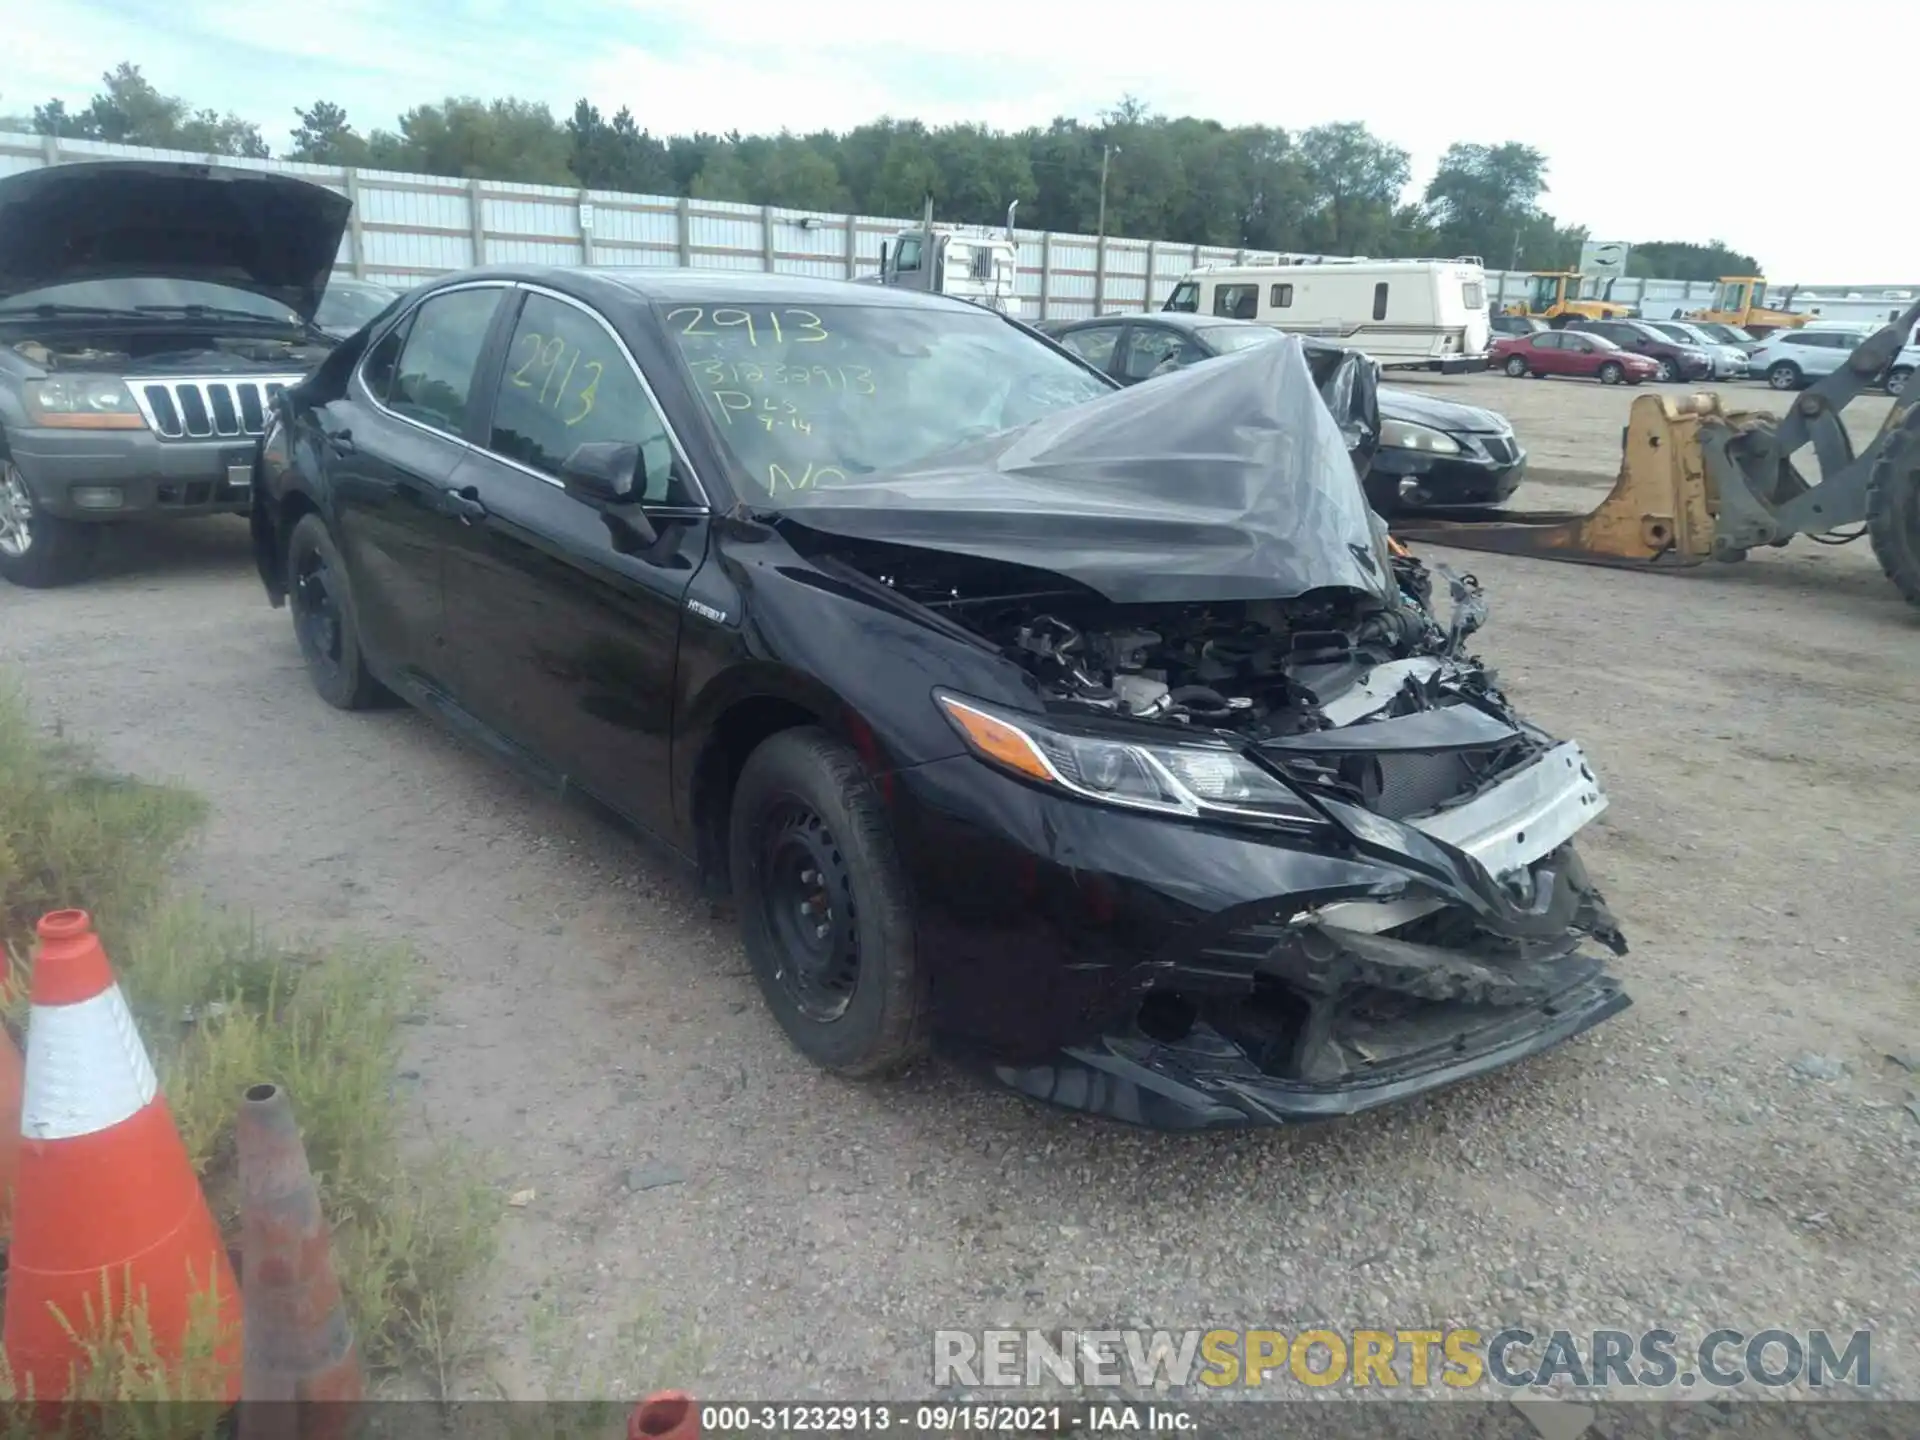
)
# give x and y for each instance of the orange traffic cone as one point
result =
(11, 1082)
(299, 1344)
(665, 1415)
(106, 1206)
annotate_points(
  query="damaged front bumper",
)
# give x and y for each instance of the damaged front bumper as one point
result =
(1413, 955)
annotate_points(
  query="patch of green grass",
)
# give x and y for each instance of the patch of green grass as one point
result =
(585, 1358)
(222, 1007)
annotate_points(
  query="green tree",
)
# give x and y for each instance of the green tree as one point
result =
(477, 139)
(615, 154)
(325, 138)
(1355, 180)
(1484, 200)
(130, 111)
(1679, 260)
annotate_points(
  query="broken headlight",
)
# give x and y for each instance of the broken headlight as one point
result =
(1194, 778)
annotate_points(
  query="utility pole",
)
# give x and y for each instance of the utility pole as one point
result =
(1107, 152)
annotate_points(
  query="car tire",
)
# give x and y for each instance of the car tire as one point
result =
(810, 849)
(1612, 373)
(39, 552)
(1669, 373)
(1515, 366)
(1897, 379)
(1785, 375)
(325, 621)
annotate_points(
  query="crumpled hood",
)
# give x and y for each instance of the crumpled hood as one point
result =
(272, 234)
(1421, 409)
(1225, 481)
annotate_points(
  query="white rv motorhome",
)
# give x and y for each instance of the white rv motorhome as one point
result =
(1406, 314)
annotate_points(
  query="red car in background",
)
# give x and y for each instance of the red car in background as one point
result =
(1570, 352)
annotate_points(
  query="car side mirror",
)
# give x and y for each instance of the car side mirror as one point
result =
(603, 472)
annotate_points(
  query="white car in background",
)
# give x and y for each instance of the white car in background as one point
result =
(1794, 359)
(1729, 360)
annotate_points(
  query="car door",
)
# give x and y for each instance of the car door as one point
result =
(1546, 352)
(565, 625)
(1094, 344)
(1578, 354)
(392, 444)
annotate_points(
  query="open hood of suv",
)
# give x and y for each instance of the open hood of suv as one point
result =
(116, 219)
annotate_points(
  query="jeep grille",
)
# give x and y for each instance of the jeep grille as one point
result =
(207, 409)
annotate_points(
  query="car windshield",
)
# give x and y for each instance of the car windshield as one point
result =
(142, 295)
(802, 396)
(1225, 339)
(349, 304)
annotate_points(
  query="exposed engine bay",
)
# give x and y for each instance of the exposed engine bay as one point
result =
(168, 349)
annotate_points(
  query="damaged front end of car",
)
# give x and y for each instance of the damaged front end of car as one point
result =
(1369, 854)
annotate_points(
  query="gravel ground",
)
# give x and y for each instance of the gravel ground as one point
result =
(593, 1025)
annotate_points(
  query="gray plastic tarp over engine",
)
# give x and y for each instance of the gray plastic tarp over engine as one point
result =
(1230, 480)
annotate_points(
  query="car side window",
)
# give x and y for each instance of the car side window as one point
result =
(1149, 349)
(1548, 340)
(433, 382)
(1237, 302)
(1094, 344)
(1576, 344)
(377, 369)
(566, 382)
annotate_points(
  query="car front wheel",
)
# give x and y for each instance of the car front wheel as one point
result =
(1784, 376)
(38, 552)
(1516, 367)
(823, 906)
(1611, 373)
(325, 621)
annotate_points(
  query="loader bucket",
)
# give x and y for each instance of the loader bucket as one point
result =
(1660, 511)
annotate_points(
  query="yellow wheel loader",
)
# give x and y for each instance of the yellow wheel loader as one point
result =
(1742, 300)
(1557, 296)
(1698, 482)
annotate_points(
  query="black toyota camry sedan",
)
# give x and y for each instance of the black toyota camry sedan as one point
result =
(1432, 453)
(1099, 734)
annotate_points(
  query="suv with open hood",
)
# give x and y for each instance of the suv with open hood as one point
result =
(149, 313)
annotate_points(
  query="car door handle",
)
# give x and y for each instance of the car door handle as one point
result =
(341, 440)
(464, 504)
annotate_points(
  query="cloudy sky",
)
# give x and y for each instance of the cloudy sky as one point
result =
(1659, 121)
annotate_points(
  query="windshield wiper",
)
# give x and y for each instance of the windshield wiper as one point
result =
(109, 312)
(218, 312)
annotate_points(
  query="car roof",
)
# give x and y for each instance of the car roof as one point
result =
(661, 285)
(1173, 319)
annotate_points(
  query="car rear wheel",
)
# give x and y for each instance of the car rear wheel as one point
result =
(325, 621)
(1669, 372)
(823, 906)
(1516, 366)
(1784, 376)
(38, 552)
(1611, 373)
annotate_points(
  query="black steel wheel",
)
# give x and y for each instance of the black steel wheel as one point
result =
(321, 603)
(823, 906)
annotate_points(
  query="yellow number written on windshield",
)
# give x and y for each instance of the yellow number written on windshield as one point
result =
(551, 367)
